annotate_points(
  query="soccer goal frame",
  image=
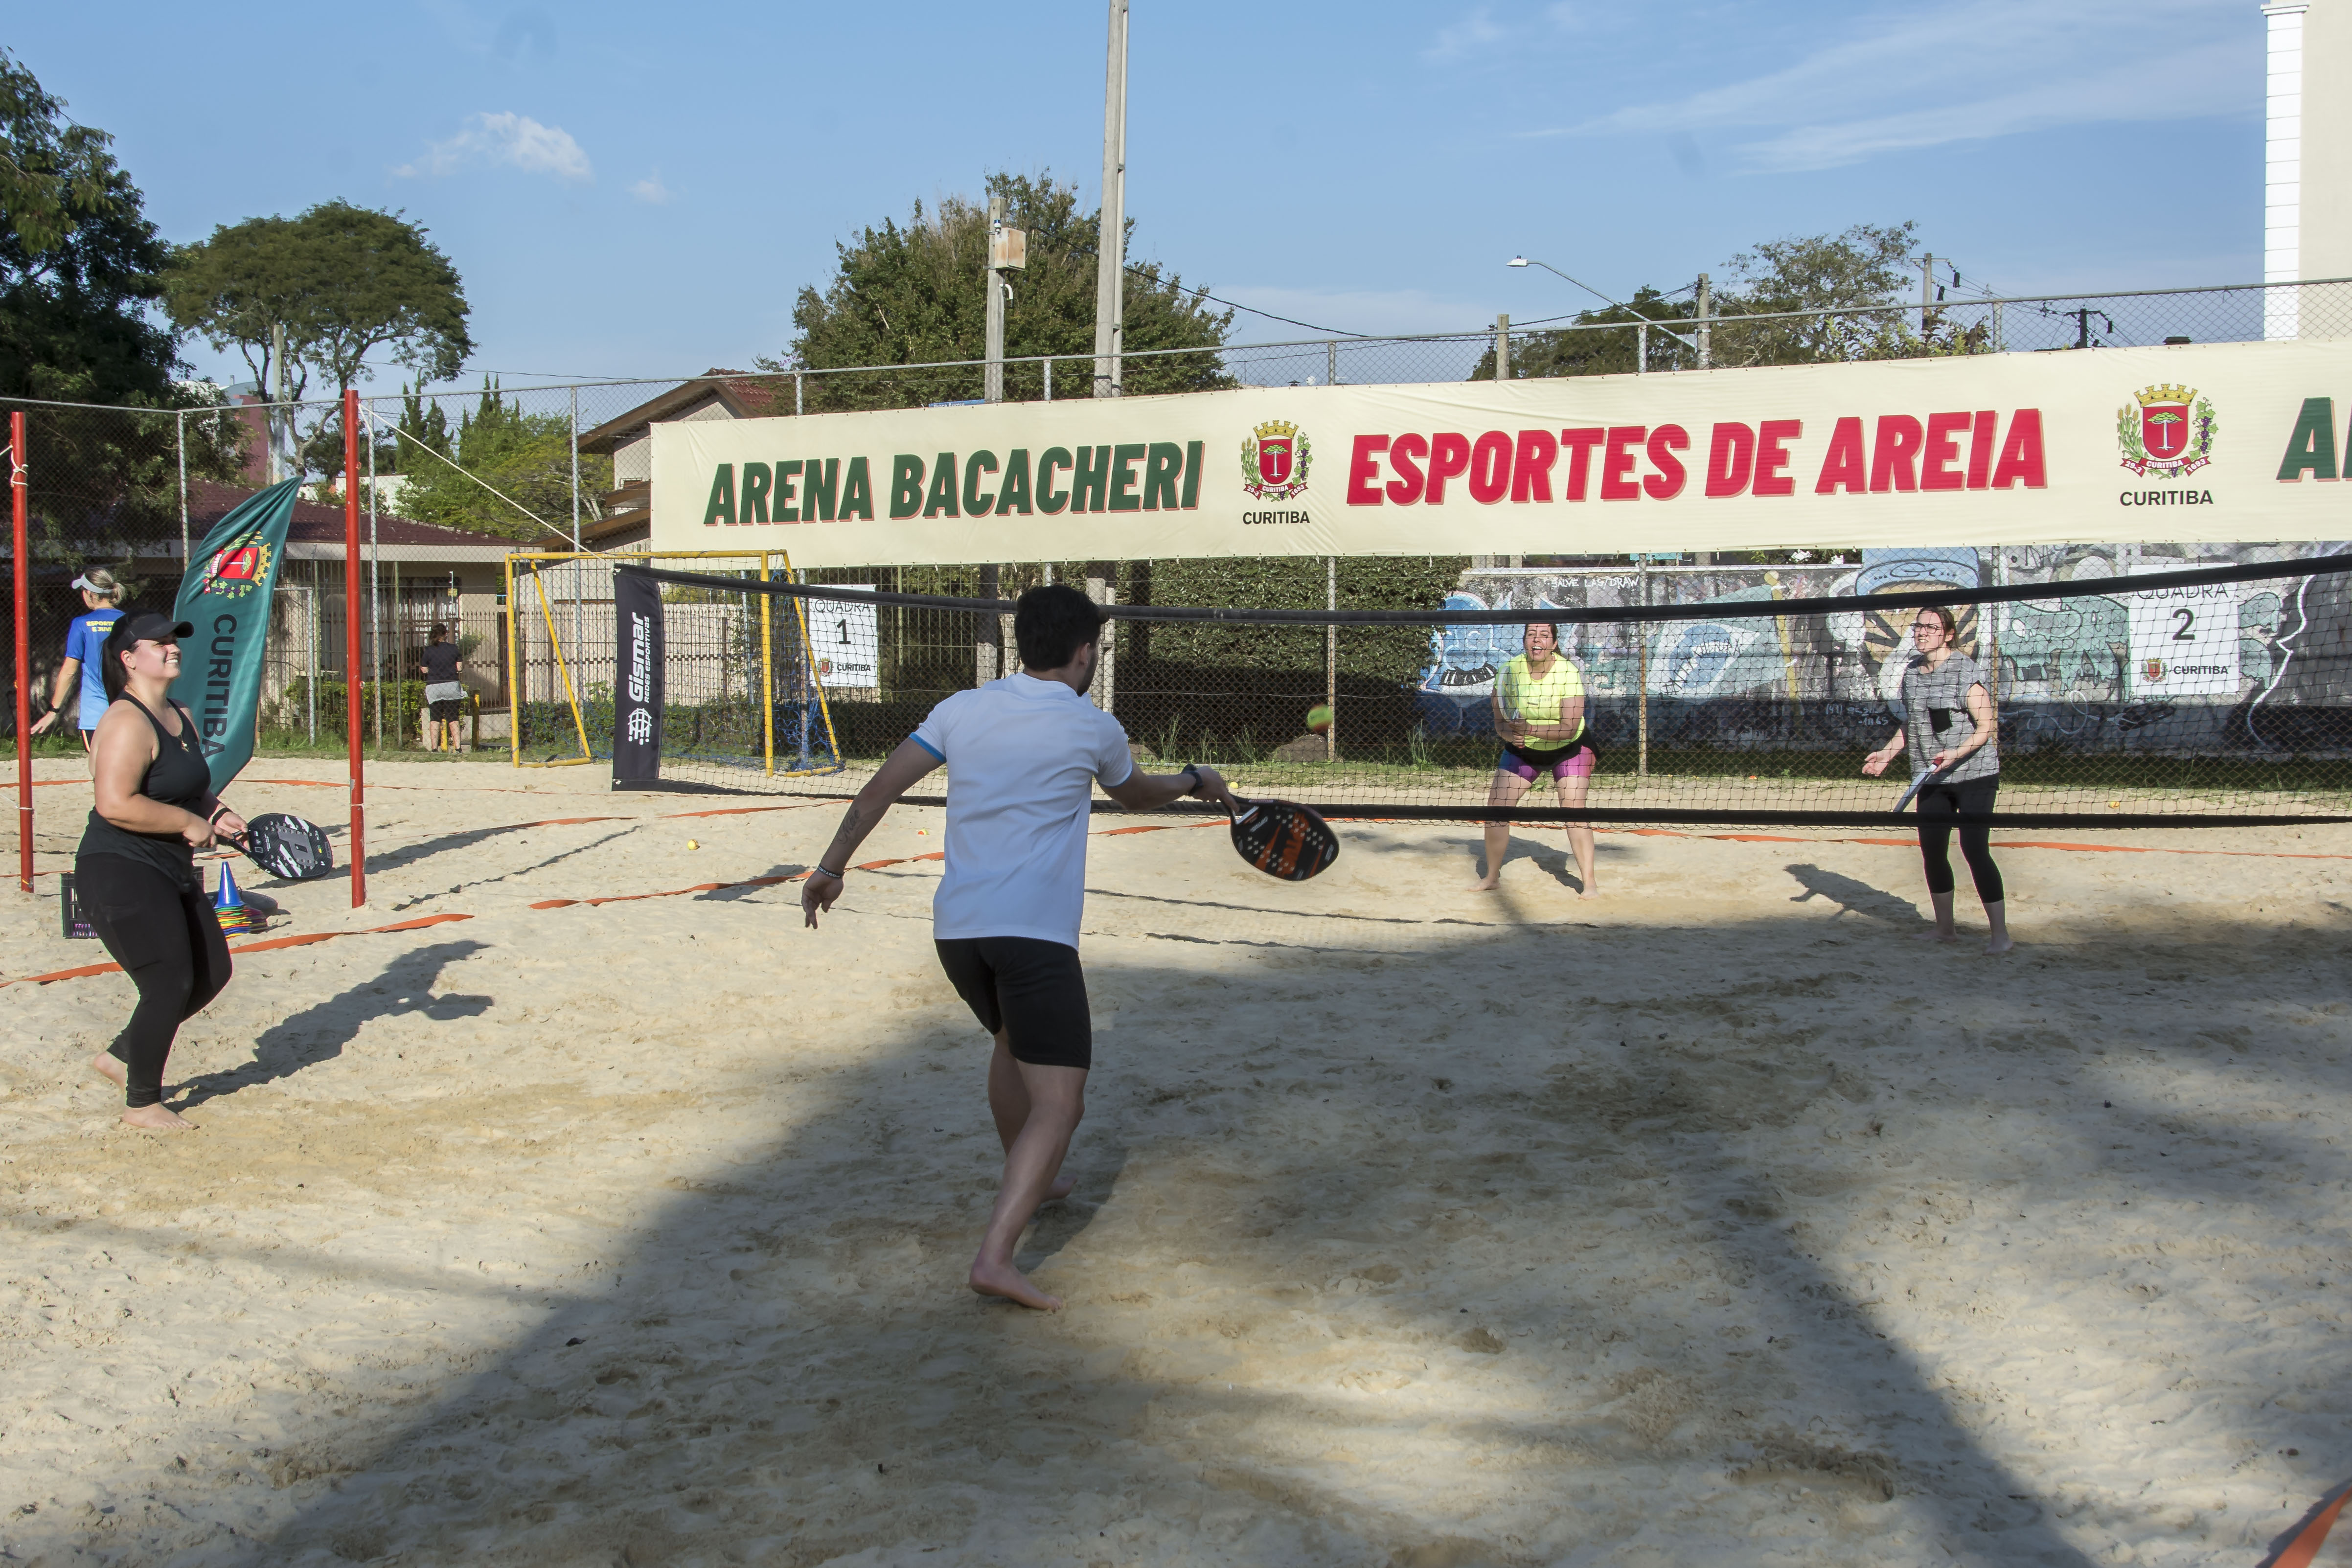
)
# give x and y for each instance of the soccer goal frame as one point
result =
(526, 577)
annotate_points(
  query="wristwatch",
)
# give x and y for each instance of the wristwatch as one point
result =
(1189, 770)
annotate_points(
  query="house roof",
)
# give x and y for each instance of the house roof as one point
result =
(316, 532)
(744, 395)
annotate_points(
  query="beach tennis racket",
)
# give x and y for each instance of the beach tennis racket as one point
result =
(1281, 838)
(287, 846)
(1916, 785)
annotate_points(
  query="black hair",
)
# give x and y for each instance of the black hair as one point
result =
(110, 673)
(439, 631)
(1051, 624)
(1951, 622)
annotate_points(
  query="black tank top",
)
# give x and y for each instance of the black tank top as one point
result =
(177, 776)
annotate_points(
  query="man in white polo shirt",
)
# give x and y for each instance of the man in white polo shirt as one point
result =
(1023, 757)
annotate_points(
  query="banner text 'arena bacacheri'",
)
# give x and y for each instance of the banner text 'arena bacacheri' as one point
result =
(2238, 441)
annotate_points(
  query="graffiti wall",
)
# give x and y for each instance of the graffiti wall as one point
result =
(2235, 667)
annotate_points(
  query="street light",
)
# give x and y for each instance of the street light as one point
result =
(1669, 331)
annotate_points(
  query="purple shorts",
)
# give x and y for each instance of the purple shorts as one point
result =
(1567, 762)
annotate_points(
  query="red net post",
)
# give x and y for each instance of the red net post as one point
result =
(23, 572)
(352, 642)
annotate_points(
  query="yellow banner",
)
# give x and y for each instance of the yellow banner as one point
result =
(2217, 441)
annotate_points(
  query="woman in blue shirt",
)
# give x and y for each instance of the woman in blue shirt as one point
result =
(85, 641)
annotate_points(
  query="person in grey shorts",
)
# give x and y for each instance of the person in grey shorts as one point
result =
(1950, 729)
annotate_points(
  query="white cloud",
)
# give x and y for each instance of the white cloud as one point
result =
(1965, 72)
(1473, 32)
(651, 191)
(514, 141)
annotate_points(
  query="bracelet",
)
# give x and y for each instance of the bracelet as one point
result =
(215, 817)
(1192, 771)
(834, 874)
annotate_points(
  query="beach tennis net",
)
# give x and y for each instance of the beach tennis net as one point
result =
(2172, 693)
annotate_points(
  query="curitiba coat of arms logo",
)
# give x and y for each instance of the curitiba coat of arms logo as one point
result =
(238, 572)
(2166, 432)
(1274, 461)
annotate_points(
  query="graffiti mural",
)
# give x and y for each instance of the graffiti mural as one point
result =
(2260, 666)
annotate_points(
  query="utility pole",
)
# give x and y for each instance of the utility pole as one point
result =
(1503, 347)
(1110, 293)
(1926, 291)
(1007, 248)
(1705, 336)
(278, 412)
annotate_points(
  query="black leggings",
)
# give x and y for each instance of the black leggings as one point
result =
(1938, 804)
(167, 939)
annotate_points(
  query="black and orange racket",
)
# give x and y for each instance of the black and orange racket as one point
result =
(1281, 838)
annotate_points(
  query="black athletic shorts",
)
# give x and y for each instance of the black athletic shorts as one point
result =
(1032, 990)
(445, 712)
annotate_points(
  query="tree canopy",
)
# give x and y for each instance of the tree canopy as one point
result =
(917, 295)
(1867, 267)
(79, 260)
(342, 280)
(526, 457)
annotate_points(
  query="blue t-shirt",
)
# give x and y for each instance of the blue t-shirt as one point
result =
(86, 641)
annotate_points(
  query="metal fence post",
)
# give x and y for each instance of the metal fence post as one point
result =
(1049, 378)
(181, 421)
(1641, 350)
(1642, 670)
(1503, 347)
(1331, 364)
(1705, 313)
(800, 391)
(1332, 653)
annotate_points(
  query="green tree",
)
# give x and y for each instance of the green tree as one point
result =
(78, 284)
(917, 295)
(1867, 269)
(343, 281)
(79, 260)
(525, 457)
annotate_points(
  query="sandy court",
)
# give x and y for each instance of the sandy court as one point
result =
(1710, 1221)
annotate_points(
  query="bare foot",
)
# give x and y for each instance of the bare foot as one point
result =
(158, 1119)
(1998, 944)
(1487, 884)
(108, 1068)
(1062, 1187)
(1935, 936)
(1004, 1279)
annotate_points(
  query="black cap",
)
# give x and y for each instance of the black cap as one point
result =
(151, 626)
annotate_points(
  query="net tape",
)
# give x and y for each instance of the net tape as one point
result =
(1787, 754)
(1599, 614)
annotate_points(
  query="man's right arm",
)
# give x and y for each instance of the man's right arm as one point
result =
(898, 774)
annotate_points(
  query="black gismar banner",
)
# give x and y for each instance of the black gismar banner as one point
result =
(637, 705)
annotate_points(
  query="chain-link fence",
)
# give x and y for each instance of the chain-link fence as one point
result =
(1697, 696)
(569, 463)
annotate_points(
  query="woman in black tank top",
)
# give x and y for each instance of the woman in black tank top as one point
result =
(136, 869)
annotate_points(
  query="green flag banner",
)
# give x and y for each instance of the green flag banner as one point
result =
(224, 595)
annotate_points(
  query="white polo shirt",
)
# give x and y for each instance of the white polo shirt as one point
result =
(1023, 756)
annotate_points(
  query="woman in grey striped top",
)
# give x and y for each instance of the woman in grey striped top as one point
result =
(1941, 687)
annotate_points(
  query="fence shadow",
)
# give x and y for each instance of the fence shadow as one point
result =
(1331, 1291)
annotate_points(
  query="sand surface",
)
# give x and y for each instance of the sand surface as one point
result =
(1712, 1221)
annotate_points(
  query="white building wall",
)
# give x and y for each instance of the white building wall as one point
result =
(2283, 167)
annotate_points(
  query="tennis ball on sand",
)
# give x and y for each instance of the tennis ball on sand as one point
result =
(693, 844)
(1319, 719)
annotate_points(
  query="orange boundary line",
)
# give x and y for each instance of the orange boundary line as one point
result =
(2299, 1552)
(271, 946)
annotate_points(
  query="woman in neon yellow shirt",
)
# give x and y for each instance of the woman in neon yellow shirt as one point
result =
(1539, 714)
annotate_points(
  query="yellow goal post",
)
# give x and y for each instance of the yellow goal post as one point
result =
(529, 604)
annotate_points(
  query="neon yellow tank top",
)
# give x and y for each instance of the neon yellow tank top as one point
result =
(1538, 700)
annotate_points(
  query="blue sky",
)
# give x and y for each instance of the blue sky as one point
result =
(632, 190)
